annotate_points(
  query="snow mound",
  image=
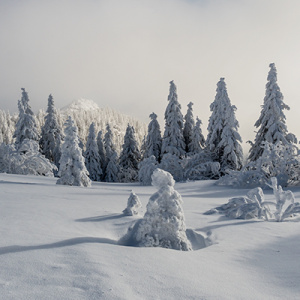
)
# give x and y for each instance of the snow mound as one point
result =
(81, 105)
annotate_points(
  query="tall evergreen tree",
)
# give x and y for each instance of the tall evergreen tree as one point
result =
(101, 149)
(72, 170)
(223, 139)
(189, 125)
(92, 157)
(173, 141)
(112, 168)
(153, 140)
(129, 157)
(26, 125)
(51, 135)
(271, 123)
(197, 143)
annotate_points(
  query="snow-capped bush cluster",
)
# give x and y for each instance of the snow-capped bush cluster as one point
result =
(181, 150)
(254, 205)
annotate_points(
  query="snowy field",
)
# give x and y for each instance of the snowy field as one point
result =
(61, 242)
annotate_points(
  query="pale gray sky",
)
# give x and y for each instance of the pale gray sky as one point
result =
(123, 53)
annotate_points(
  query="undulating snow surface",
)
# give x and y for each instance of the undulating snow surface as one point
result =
(61, 242)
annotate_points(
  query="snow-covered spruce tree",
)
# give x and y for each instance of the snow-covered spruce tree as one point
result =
(133, 205)
(72, 170)
(26, 126)
(223, 139)
(146, 169)
(51, 135)
(112, 168)
(153, 141)
(197, 143)
(92, 157)
(129, 157)
(271, 123)
(101, 150)
(189, 125)
(163, 224)
(173, 140)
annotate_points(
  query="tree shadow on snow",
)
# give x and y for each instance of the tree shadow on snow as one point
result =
(61, 244)
(101, 218)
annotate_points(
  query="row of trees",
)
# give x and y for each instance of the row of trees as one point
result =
(182, 150)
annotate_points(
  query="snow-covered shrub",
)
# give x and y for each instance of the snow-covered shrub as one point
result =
(277, 160)
(27, 160)
(172, 164)
(253, 205)
(146, 169)
(201, 167)
(133, 204)
(163, 224)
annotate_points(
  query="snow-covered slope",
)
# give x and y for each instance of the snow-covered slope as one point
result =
(61, 242)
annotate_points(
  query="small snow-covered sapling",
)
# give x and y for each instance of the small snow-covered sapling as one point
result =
(133, 204)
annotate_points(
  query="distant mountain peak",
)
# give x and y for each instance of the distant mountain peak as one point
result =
(82, 105)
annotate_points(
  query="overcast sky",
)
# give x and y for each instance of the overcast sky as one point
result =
(123, 53)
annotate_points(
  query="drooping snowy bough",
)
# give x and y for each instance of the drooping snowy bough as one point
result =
(163, 224)
(254, 205)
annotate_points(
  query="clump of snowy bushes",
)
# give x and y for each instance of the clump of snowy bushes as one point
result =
(133, 205)
(163, 224)
(254, 205)
(277, 160)
(26, 160)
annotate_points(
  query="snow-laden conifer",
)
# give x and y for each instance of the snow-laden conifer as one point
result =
(163, 224)
(133, 205)
(112, 169)
(153, 141)
(101, 149)
(26, 125)
(92, 157)
(272, 121)
(129, 157)
(223, 139)
(72, 170)
(189, 124)
(173, 141)
(197, 143)
(51, 135)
